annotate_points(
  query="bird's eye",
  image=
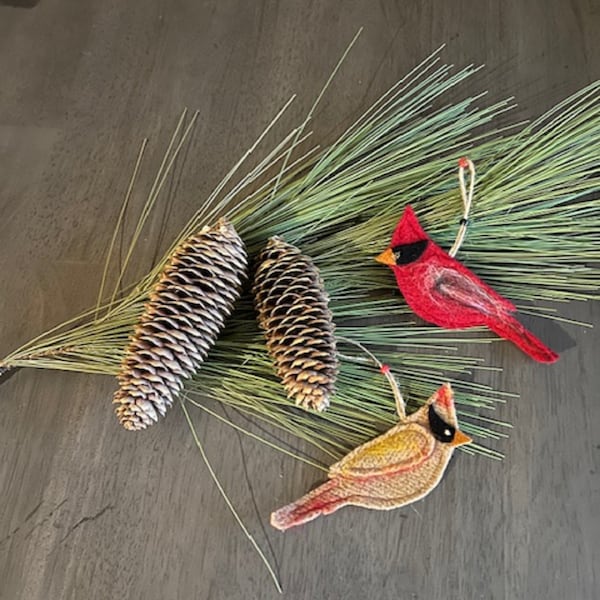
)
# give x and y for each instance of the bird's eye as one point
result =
(442, 431)
(408, 253)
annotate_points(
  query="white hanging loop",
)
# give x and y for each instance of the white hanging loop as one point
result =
(400, 404)
(385, 369)
(464, 164)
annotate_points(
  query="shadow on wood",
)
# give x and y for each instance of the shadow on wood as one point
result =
(19, 3)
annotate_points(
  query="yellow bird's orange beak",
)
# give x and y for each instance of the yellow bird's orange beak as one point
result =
(460, 439)
(386, 257)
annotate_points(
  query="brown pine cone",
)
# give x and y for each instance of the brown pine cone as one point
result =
(186, 312)
(292, 308)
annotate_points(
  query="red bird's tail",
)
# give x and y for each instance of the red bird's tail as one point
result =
(325, 499)
(510, 329)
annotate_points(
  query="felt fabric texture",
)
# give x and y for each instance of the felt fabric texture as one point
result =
(396, 468)
(441, 290)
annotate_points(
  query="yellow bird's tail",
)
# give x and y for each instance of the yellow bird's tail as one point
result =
(324, 500)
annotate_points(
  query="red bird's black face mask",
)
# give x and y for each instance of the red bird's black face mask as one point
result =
(441, 290)
(404, 254)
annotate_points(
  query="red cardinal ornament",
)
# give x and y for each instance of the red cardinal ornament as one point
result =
(441, 290)
(399, 467)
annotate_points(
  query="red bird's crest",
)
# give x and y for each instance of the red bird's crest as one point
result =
(409, 229)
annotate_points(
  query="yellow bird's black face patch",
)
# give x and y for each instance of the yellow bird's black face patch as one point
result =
(442, 431)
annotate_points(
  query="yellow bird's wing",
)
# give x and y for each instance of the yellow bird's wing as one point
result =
(400, 449)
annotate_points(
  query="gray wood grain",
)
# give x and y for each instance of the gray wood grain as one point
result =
(90, 511)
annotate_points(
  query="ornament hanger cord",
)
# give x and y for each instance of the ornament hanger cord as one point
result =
(464, 164)
(385, 370)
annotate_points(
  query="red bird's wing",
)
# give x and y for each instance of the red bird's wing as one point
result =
(467, 290)
(400, 449)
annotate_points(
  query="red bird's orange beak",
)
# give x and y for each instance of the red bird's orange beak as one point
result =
(460, 439)
(386, 257)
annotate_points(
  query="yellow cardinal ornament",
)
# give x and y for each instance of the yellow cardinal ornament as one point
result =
(399, 467)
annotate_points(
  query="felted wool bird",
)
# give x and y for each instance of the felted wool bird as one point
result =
(441, 290)
(399, 467)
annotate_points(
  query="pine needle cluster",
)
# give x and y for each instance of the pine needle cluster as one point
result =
(537, 183)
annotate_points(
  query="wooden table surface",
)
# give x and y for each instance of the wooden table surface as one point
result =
(90, 511)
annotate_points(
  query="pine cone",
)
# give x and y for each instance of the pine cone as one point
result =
(293, 310)
(181, 321)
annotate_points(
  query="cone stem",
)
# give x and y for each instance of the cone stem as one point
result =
(4, 369)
